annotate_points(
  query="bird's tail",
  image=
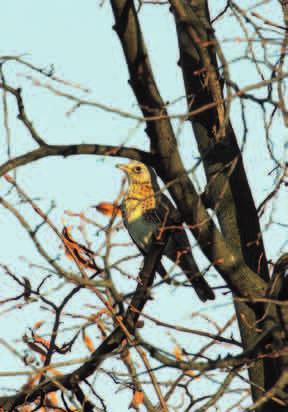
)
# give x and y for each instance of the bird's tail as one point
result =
(178, 251)
(189, 267)
(162, 272)
(202, 288)
(198, 282)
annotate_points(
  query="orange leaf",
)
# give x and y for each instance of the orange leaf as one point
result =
(38, 324)
(88, 342)
(52, 399)
(77, 252)
(192, 374)
(42, 341)
(108, 209)
(138, 398)
(177, 352)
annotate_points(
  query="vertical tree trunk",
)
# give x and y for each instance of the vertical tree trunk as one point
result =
(227, 191)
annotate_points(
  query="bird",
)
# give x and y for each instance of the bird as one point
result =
(144, 211)
(278, 289)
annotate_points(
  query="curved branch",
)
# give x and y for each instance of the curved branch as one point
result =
(73, 150)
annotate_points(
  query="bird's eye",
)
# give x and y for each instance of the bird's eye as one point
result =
(137, 169)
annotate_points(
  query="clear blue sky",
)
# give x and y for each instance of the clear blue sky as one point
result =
(77, 38)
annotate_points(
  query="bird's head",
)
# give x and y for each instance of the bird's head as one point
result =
(138, 173)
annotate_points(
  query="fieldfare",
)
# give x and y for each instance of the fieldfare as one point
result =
(144, 211)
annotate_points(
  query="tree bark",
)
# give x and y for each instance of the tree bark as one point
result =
(228, 189)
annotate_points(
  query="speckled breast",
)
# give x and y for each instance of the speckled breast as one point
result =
(135, 205)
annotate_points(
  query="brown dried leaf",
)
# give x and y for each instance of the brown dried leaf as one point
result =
(88, 342)
(38, 324)
(108, 209)
(138, 398)
(177, 352)
(193, 374)
(77, 252)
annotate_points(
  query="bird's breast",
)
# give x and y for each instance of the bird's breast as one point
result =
(139, 200)
(136, 204)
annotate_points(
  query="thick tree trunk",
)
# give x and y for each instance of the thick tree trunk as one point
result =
(228, 191)
(238, 251)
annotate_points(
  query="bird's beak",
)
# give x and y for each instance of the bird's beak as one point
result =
(123, 167)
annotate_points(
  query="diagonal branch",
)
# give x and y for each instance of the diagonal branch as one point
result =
(17, 93)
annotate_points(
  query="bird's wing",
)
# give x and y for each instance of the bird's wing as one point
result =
(278, 287)
(125, 222)
(178, 250)
(160, 214)
(152, 216)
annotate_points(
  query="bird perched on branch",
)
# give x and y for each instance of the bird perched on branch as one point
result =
(145, 210)
(278, 289)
